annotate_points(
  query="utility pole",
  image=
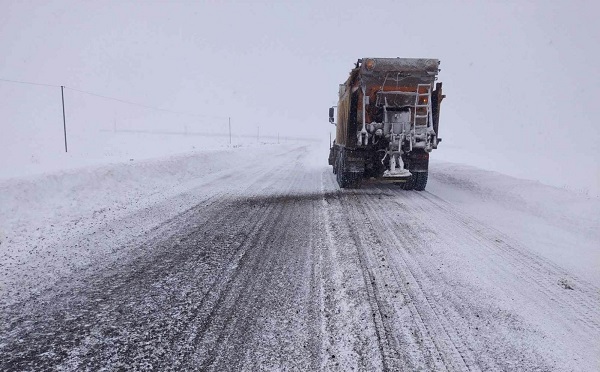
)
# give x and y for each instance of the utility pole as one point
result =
(230, 130)
(62, 94)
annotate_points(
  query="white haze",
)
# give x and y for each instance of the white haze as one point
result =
(521, 77)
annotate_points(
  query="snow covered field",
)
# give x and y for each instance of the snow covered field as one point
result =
(222, 260)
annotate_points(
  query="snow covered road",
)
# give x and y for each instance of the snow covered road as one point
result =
(270, 266)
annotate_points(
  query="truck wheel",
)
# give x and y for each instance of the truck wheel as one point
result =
(353, 180)
(421, 180)
(410, 183)
(334, 164)
(342, 180)
(340, 174)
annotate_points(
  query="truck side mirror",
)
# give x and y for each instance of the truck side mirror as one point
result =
(331, 114)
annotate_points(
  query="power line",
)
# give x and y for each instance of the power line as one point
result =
(142, 105)
(62, 88)
(115, 99)
(30, 83)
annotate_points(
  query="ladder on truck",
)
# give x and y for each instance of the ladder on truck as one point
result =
(420, 106)
(422, 138)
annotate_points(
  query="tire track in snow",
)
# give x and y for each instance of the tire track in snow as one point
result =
(400, 347)
(232, 299)
(343, 287)
(382, 329)
(434, 343)
(450, 347)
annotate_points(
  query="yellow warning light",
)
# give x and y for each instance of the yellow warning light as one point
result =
(369, 64)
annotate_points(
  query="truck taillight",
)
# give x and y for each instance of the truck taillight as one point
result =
(422, 155)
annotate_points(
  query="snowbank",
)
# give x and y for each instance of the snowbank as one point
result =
(560, 225)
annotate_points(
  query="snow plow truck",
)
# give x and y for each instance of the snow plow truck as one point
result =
(387, 122)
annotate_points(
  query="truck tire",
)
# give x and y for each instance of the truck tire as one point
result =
(353, 180)
(421, 180)
(343, 180)
(340, 174)
(346, 179)
(333, 159)
(409, 184)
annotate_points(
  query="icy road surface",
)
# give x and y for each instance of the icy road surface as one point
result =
(270, 266)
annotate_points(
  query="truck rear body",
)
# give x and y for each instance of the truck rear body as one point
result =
(387, 121)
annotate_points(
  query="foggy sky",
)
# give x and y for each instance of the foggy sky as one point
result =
(522, 78)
